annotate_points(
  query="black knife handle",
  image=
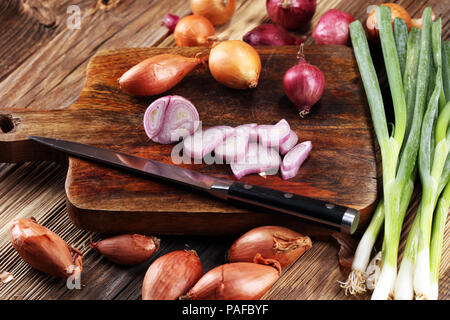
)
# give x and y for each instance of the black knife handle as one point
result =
(312, 209)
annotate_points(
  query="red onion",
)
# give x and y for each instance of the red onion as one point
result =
(332, 28)
(170, 21)
(258, 159)
(170, 118)
(304, 85)
(289, 143)
(270, 35)
(201, 143)
(294, 159)
(291, 14)
(273, 135)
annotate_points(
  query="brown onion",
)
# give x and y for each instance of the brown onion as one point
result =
(235, 64)
(157, 74)
(44, 250)
(216, 11)
(397, 11)
(272, 242)
(127, 249)
(236, 281)
(171, 275)
(193, 31)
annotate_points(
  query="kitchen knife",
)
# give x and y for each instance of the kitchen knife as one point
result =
(344, 218)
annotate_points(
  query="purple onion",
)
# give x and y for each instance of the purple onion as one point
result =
(291, 14)
(270, 35)
(332, 28)
(170, 21)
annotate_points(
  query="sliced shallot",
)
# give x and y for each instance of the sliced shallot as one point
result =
(250, 129)
(273, 135)
(234, 148)
(257, 160)
(170, 118)
(203, 142)
(294, 159)
(289, 143)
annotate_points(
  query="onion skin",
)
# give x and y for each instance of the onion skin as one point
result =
(127, 249)
(235, 64)
(44, 250)
(157, 74)
(236, 281)
(171, 275)
(216, 11)
(397, 11)
(270, 35)
(291, 14)
(272, 242)
(194, 31)
(332, 28)
(304, 85)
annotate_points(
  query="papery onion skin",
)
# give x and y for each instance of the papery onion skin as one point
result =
(235, 64)
(272, 242)
(170, 21)
(236, 281)
(216, 11)
(171, 275)
(194, 31)
(44, 250)
(270, 35)
(291, 14)
(332, 28)
(304, 85)
(127, 249)
(397, 11)
(157, 74)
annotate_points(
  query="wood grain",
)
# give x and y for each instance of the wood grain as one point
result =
(37, 189)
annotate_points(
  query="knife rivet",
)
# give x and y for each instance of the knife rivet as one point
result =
(247, 186)
(330, 206)
(288, 195)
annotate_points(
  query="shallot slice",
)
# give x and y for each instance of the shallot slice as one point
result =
(273, 135)
(203, 142)
(294, 159)
(233, 148)
(289, 143)
(170, 118)
(250, 129)
(257, 160)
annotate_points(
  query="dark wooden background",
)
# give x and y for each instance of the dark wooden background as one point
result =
(42, 66)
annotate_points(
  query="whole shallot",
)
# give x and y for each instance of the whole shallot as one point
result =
(332, 28)
(44, 250)
(127, 249)
(291, 14)
(171, 275)
(270, 35)
(272, 242)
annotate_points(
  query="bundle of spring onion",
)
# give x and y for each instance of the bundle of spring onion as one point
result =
(417, 68)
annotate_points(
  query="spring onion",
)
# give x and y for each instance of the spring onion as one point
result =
(446, 68)
(401, 39)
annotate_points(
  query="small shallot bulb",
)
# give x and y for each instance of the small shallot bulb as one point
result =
(216, 11)
(171, 275)
(170, 21)
(194, 31)
(272, 242)
(235, 64)
(236, 281)
(44, 250)
(127, 249)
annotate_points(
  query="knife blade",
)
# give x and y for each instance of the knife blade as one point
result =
(333, 215)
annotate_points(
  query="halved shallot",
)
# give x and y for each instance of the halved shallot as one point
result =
(273, 135)
(258, 159)
(289, 143)
(170, 118)
(203, 142)
(294, 159)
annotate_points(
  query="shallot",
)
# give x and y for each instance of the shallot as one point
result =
(216, 11)
(44, 250)
(127, 249)
(273, 135)
(289, 143)
(233, 148)
(203, 142)
(170, 21)
(304, 85)
(235, 64)
(270, 35)
(259, 159)
(170, 118)
(291, 14)
(332, 28)
(236, 281)
(157, 74)
(171, 275)
(294, 159)
(250, 129)
(272, 242)
(193, 31)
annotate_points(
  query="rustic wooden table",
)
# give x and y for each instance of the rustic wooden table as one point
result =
(43, 62)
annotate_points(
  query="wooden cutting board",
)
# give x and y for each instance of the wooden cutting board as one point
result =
(341, 167)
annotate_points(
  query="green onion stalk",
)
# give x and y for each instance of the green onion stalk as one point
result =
(397, 167)
(434, 148)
